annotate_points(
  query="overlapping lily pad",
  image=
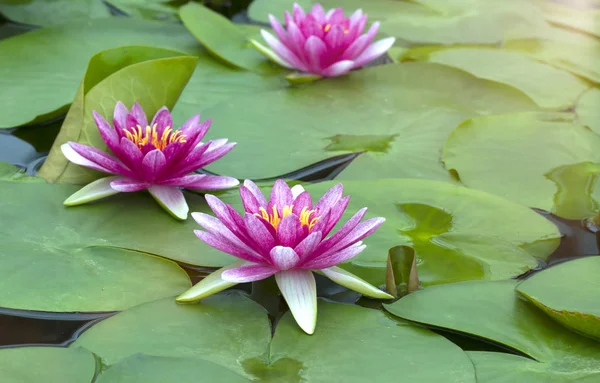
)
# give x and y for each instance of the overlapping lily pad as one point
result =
(398, 115)
(232, 331)
(588, 111)
(62, 53)
(577, 190)
(46, 364)
(44, 12)
(510, 154)
(568, 293)
(93, 257)
(492, 310)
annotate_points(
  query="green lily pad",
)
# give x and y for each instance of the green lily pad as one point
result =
(259, 9)
(510, 154)
(150, 76)
(222, 38)
(155, 369)
(49, 12)
(46, 364)
(577, 190)
(379, 348)
(585, 20)
(398, 116)
(224, 329)
(519, 71)
(158, 10)
(105, 257)
(492, 310)
(588, 109)
(63, 52)
(568, 292)
(9, 172)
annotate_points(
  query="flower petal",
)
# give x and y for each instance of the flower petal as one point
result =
(128, 185)
(130, 154)
(315, 50)
(298, 13)
(330, 198)
(281, 195)
(335, 16)
(340, 68)
(323, 262)
(101, 159)
(202, 182)
(352, 282)
(297, 190)
(248, 273)
(271, 55)
(92, 191)
(300, 292)
(210, 285)
(251, 204)
(259, 233)
(137, 112)
(120, 117)
(278, 29)
(228, 217)
(361, 43)
(75, 158)
(335, 38)
(282, 51)
(255, 190)
(163, 120)
(308, 244)
(218, 243)
(343, 231)
(284, 258)
(318, 13)
(206, 155)
(301, 201)
(289, 231)
(107, 132)
(361, 231)
(374, 51)
(335, 214)
(296, 41)
(153, 164)
(171, 199)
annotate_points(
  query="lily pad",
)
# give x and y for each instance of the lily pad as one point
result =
(63, 52)
(224, 329)
(49, 12)
(409, 110)
(510, 154)
(222, 38)
(577, 190)
(158, 10)
(155, 369)
(585, 20)
(380, 349)
(492, 310)
(519, 71)
(46, 364)
(9, 172)
(568, 293)
(588, 109)
(152, 77)
(105, 257)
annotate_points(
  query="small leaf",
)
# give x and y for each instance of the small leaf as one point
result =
(401, 276)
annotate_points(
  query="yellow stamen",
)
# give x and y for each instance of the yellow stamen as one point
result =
(149, 135)
(327, 27)
(274, 219)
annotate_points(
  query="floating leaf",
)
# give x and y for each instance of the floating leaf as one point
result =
(259, 9)
(588, 109)
(401, 271)
(155, 369)
(509, 155)
(152, 77)
(49, 12)
(568, 292)
(9, 172)
(158, 10)
(577, 190)
(46, 364)
(405, 111)
(493, 311)
(585, 20)
(222, 38)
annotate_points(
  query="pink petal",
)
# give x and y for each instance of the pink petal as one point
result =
(284, 258)
(308, 244)
(361, 231)
(343, 231)
(120, 117)
(298, 13)
(104, 160)
(335, 37)
(107, 132)
(311, 27)
(300, 292)
(374, 51)
(281, 195)
(75, 158)
(278, 29)
(340, 68)
(256, 192)
(303, 200)
(335, 214)
(318, 13)
(296, 41)
(330, 198)
(356, 17)
(229, 217)
(127, 185)
(130, 154)
(202, 182)
(282, 51)
(289, 231)
(250, 202)
(153, 164)
(249, 273)
(259, 233)
(361, 43)
(210, 155)
(336, 258)
(163, 120)
(137, 112)
(171, 199)
(226, 247)
(335, 16)
(315, 50)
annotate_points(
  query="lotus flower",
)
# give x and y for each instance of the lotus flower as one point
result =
(322, 44)
(153, 157)
(286, 237)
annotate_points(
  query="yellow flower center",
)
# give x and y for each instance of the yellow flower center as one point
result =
(274, 219)
(327, 27)
(142, 137)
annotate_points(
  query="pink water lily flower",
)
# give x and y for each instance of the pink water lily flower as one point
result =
(151, 156)
(286, 236)
(323, 44)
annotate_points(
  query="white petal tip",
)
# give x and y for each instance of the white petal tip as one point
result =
(297, 190)
(171, 199)
(92, 192)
